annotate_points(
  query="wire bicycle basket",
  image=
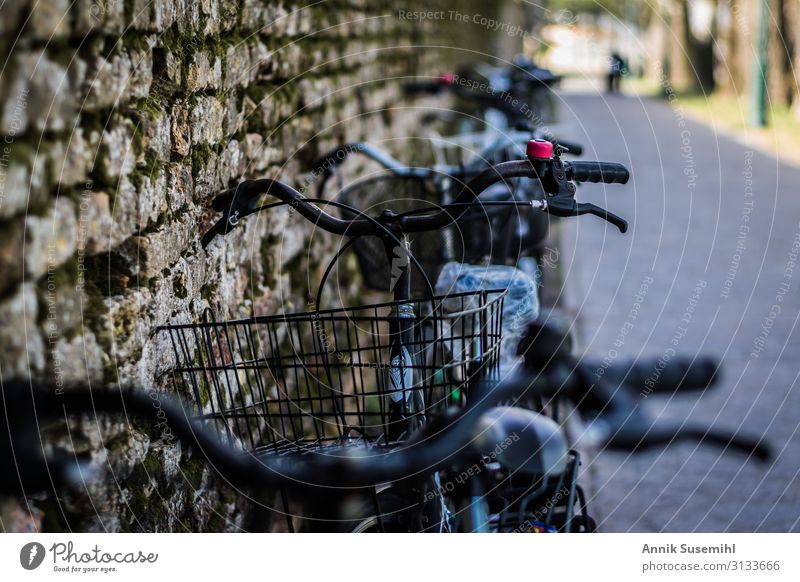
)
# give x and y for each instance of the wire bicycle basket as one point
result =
(303, 381)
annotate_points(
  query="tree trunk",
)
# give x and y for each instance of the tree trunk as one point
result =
(793, 21)
(781, 52)
(692, 60)
(730, 70)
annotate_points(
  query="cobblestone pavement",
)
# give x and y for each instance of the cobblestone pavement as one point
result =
(711, 258)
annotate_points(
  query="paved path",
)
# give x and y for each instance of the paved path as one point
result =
(708, 254)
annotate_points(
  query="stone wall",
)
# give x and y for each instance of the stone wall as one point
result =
(119, 120)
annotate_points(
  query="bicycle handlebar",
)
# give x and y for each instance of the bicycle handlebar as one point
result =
(24, 408)
(651, 376)
(327, 163)
(425, 87)
(610, 404)
(572, 147)
(510, 101)
(614, 418)
(241, 200)
(479, 90)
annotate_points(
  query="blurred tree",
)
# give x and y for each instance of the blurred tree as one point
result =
(731, 62)
(794, 17)
(691, 56)
(781, 78)
(759, 80)
(720, 53)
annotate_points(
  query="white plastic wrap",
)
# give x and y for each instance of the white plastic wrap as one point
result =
(520, 306)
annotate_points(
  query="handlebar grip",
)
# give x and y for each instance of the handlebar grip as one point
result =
(243, 196)
(599, 172)
(23, 456)
(221, 228)
(233, 203)
(223, 200)
(679, 375)
(423, 87)
(538, 77)
(641, 434)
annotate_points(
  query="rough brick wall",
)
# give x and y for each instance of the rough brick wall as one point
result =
(119, 120)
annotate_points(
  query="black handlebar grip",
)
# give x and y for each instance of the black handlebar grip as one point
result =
(600, 172)
(221, 228)
(423, 87)
(223, 200)
(241, 197)
(233, 203)
(654, 376)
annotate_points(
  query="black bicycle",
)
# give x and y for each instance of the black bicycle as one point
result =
(374, 372)
(472, 448)
(500, 110)
(521, 95)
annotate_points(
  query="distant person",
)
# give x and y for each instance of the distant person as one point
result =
(616, 67)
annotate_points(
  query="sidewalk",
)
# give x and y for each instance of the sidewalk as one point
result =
(711, 257)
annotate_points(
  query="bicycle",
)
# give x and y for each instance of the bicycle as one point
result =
(504, 239)
(414, 189)
(553, 173)
(408, 356)
(453, 441)
(510, 104)
(513, 95)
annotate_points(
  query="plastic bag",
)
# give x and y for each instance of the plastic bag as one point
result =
(520, 306)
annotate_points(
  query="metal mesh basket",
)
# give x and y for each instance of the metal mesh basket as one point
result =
(307, 380)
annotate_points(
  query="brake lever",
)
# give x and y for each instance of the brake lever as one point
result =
(562, 146)
(612, 412)
(562, 201)
(618, 421)
(589, 208)
(563, 206)
(640, 433)
(733, 440)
